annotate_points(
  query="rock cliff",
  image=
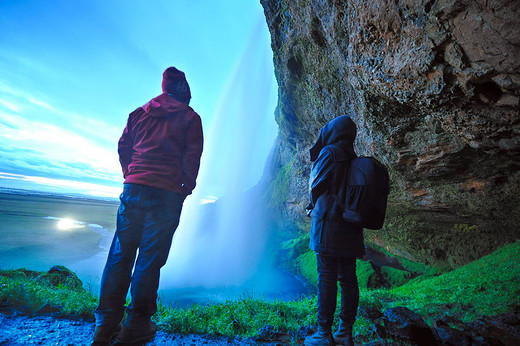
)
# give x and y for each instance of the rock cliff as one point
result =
(434, 86)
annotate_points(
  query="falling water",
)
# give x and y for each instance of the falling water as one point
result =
(219, 249)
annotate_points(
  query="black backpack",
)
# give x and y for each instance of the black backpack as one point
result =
(368, 186)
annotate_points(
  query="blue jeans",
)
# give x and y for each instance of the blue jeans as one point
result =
(330, 270)
(146, 220)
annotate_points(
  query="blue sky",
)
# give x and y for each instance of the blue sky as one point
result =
(72, 71)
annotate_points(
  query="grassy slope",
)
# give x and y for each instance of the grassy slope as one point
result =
(487, 286)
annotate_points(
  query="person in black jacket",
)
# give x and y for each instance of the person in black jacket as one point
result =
(336, 242)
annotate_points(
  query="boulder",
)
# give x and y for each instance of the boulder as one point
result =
(405, 324)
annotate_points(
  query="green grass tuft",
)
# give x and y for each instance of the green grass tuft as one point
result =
(244, 317)
(488, 286)
(30, 291)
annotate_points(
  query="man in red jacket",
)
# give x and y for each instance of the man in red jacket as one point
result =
(160, 153)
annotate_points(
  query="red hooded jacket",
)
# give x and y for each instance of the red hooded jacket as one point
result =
(161, 145)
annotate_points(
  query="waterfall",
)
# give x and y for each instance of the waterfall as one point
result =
(222, 245)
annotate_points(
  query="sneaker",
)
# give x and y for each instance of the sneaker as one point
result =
(104, 335)
(130, 336)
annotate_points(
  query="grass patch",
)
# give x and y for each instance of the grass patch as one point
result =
(488, 286)
(31, 291)
(307, 265)
(395, 277)
(243, 317)
(367, 277)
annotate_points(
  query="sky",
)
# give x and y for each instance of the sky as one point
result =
(72, 71)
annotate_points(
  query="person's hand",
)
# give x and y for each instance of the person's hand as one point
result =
(308, 209)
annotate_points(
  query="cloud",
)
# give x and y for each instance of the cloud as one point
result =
(65, 185)
(42, 147)
(9, 105)
(41, 104)
(33, 108)
(41, 139)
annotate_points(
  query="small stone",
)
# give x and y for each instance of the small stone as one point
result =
(474, 144)
(483, 98)
(508, 144)
(451, 336)
(508, 100)
(380, 331)
(369, 312)
(507, 81)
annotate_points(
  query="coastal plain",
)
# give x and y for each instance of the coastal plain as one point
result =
(39, 230)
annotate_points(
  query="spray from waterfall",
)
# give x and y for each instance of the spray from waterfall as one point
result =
(222, 245)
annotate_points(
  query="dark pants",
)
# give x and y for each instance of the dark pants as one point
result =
(330, 270)
(146, 220)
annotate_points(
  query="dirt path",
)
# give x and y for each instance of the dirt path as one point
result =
(47, 331)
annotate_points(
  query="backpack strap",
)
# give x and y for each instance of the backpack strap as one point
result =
(341, 157)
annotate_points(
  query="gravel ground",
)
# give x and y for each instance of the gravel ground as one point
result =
(16, 330)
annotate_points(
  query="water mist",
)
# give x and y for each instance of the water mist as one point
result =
(219, 248)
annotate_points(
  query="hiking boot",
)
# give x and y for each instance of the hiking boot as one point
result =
(343, 336)
(104, 335)
(322, 337)
(136, 336)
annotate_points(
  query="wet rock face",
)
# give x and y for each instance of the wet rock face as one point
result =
(434, 87)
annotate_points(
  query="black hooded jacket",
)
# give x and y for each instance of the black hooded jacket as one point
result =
(331, 157)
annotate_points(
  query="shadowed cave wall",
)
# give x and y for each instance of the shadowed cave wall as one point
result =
(434, 89)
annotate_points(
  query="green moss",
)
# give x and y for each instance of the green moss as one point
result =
(295, 247)
(488, 286)
(58, 276)
(278, 189)
(307, 266)
(395, 277)
(444, 243)
(367, 276)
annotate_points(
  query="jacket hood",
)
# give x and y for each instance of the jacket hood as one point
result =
(163, 105)
(174, 82)
(340, 131)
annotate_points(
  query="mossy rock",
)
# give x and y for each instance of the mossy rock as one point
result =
(295, 247)
(446, 243)
(367, 276)
(60, 276)
(307, 267)
(395, 277)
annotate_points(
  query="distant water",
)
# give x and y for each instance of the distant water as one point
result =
(40, 230)
(89, 270)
